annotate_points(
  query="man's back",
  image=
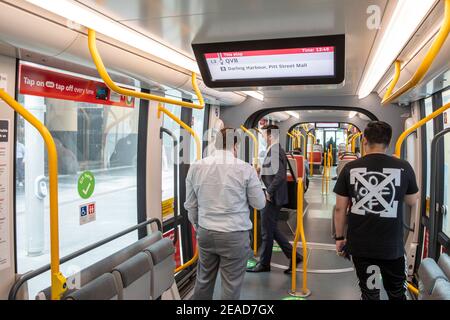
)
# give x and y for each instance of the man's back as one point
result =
(377, 185)
(219, 189)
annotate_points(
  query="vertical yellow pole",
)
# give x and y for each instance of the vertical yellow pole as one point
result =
(255, 165)
(299, 233)
(161, 109)
(58, 281)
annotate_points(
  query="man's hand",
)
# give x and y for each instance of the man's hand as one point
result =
(258, 170)
(339, 245)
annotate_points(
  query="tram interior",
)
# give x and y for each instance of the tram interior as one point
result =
(127, 93)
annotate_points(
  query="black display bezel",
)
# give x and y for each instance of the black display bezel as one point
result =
(337, 41)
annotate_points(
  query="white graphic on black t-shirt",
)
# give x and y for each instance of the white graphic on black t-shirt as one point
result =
(375, 191)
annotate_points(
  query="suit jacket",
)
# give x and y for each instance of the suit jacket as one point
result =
(273, 175)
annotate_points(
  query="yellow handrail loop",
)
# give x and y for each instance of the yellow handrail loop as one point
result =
(294, 140)
(353, 141)
(137, 94)
(58, 281)
(299, 233)
(426, 63)
(404, 135)
(255, 165)
(161, 109)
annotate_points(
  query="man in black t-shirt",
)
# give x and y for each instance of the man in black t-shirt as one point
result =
(372, 189)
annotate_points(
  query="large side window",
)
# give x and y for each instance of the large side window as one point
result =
(96, 134)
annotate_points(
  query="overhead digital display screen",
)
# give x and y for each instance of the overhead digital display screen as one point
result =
(327, 125)
(278, 63)
(293, 61)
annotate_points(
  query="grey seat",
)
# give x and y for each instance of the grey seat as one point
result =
(134, 278)
(444, 264)
(161, 254)
(102, 288)
(441, 290)
(107, 264)
(429, 272)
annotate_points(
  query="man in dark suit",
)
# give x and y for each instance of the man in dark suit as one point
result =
(273, 175)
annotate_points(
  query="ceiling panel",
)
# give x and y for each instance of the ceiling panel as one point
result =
(180, 22)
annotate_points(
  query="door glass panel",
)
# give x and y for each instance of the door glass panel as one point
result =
(429, 137)
(446, 216)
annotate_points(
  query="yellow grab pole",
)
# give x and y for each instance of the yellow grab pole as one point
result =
(255, 165)
(293, 140)
(161, 109)
(354, 141)
(137, 94)
(413, 289)
(299, 233)
(398, 145)
(426, 63)
(58, 281)
(324, 175)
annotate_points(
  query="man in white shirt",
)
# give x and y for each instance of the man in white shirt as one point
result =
(219, 190)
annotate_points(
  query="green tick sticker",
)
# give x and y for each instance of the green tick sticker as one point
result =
(86, 185)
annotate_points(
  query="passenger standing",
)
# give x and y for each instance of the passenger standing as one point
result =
(219, 190)
(273, 175)
(376, 186)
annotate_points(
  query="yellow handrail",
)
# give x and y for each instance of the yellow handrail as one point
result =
(398, 145)
(137, 94)
(58, 281)
(324, 174)
(413, 289)
(161, 109)
(426, 63)
(293, 138)
(354, 141)
(255, 165)
(299, 233)
(394, 81)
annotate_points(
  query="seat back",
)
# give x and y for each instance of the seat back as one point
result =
(429, 272)
(134, 278)
(293, 164)
(161, 254)
(101, 288)
(107, 264)
(316, 157)
(343, 161)
(300, 165)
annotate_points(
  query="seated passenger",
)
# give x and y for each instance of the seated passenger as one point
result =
(375, 186)
(219, 190)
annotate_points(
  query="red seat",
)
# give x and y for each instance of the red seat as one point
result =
(316, 156)
(300, 167)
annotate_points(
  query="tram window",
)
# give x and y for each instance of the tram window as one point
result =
(446, 217)
(197, 124)
(319, 136)
(98, 138)
(429, 137)
(167, 183)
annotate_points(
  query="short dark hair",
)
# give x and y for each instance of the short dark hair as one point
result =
(225, 136)
(378, 132)
(269, 128)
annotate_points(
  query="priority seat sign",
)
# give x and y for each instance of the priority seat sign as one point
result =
(87, 213)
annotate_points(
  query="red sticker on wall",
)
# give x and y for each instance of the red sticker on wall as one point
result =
(51, 84)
